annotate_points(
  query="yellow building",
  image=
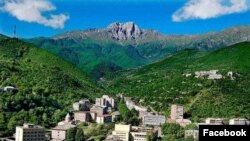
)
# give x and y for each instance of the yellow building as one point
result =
(122, 131)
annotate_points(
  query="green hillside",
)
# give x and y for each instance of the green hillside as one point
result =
(163, 83)
(46, 86)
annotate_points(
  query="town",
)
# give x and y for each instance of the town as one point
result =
(106, 110)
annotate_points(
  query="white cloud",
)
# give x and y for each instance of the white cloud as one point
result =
(33, 10)
(205, 9)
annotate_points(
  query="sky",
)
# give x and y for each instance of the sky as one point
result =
(36, 18)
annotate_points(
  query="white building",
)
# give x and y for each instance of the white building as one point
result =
(30, 132)
(212, 74)
(122, 131)
(105, 101)
(8, 88)
(154, 120)
(59, 133)
(214, 121)
(192, 133)
(239, 121)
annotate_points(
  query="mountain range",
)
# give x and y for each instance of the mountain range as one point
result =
(124, 45)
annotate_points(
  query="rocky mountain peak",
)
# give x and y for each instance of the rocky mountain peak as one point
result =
(124, 31)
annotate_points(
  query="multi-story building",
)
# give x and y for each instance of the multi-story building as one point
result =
(154, 120)
(239, 121)
(122, 131)
(192, 133)
(177, 112)
(59, 133)
(139, 133)
(215, 121)
(104, 119)
(105, 101)
(99, 110)
(82, 116)
(82, 105)
(30, 132)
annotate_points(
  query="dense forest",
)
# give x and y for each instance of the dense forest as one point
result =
(45, 86)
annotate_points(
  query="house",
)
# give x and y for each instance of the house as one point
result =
(122, 131)
(239, 121)
(99, 110)
(59, 133)
(192, 133)
(30, 132)
(103, 119)
(105, 101)
(82, 116)
(177, 112)
(82, 105)
(154, 120)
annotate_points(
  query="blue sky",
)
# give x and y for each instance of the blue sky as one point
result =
(48, 18)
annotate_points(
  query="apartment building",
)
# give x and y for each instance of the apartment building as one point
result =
(215, 121)
(59, 133)
(154, 120)
(177, 112)
(104, 119)
(105, 101)
(99, 110)
(30, 132)
(239, 121)
(82, 116)
(122, 131)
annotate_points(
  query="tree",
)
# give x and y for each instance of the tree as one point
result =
(150, 136)
(79, 135)
(70, 135)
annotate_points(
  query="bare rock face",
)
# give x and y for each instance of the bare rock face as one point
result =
(124, 31)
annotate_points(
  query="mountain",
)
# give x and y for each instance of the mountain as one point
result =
(125, 45)
(173, 80)
(45, 86)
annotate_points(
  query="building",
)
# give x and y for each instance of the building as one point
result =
(104, 119)
(30, 132)
(82, 116)
(212, 74)
(142, 114)
(215, 121)
(139, 133)
(122, 131)
(99, 110)
(238, 121)
(105, 101)
(59, 133)
(192, 133)
(177, 112)
(82, 105)
(115, 116)
(129, 103)
(154, 120)
(68, 120)
(139, 136)
(113, 138)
